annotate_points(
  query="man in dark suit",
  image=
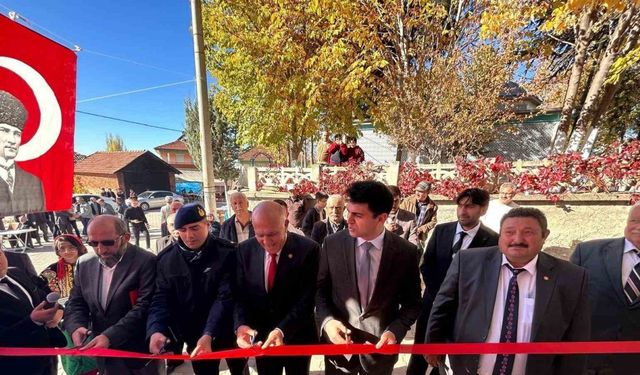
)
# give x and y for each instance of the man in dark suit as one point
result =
(111, 294)
(24, 322)
(401, 222)
(22, 262)
(238, 227)
(20, 191)
(512, 292)
(613, 266)
(276, 284)
(335, 221)
(316, 214)
(447, 239)
(368, 283)
(193, 300)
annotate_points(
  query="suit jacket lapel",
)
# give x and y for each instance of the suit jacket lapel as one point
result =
(612, 256)
(119, 274)
(284, 262)
(449, 235)
(350, 261)
(384, 270)
(480, 238)
(490, 278)
(257, 268)
(95, 283)
(545, 284)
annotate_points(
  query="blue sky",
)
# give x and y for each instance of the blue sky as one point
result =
(148, 32)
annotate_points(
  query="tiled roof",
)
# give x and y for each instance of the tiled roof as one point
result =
(175, 145)
(77, 157)
(257, 153)
(106, 162)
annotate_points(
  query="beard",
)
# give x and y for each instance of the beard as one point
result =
(113, 259)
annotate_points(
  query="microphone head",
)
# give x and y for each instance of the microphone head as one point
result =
(53, 297)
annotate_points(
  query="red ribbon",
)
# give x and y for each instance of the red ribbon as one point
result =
(595, 347)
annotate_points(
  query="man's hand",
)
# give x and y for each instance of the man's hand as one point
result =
(337, 332)
(203, 346)
(433, 359)
(275, 338)
(387, 338)
(243, 336)
(42, 315)
(56, 319)
(157, 342)
(79, 335)
(100, 341)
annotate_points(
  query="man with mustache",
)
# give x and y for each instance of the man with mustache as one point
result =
(447, 240)
(20, 191)
(613, 266)
(511, 293)
(111, 295)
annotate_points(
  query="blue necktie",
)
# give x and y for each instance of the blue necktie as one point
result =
(509, 333)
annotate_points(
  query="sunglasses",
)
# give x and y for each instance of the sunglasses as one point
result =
(103, 242)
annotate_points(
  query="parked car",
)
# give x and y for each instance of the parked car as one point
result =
(107, 200)
(155, 198)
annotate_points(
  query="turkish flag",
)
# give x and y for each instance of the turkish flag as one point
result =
(37, 107)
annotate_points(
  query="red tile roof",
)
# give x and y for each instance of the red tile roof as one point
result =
(257, 153)
(106, 162)
(175, 145)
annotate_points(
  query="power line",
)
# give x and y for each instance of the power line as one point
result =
(129, 121)
(135, 91)
(135, 62)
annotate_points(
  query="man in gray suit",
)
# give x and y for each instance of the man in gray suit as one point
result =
(401, 222)
(110, 298)
(512, 293)
(368, 283)
(613, 266)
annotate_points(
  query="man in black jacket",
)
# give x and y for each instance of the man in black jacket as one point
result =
(446, 240)
(193, 300)
(316, 214)
(276, 283)
(334, 222)
(24, 322)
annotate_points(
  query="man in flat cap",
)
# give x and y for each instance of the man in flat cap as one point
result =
(20, 191)
(193, 301)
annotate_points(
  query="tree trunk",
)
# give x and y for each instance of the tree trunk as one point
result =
(614, 48)
(583, 38)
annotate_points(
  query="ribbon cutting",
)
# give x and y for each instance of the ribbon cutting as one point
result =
(601, 347)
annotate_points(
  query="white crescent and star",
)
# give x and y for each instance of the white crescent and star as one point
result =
(50, 113)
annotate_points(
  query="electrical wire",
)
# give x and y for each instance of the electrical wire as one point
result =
(129, 121)
(134, 91)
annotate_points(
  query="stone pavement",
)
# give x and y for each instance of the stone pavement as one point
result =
(44, 256)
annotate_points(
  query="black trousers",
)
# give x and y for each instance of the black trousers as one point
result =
(136, 229)
(275, 365)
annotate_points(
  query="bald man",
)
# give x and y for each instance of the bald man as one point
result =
(613, 266)
(334, 222)
(238, 227)
(276, 272)
(20, 191)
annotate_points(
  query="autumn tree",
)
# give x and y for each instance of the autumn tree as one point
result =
(114, 143)
(223, 140)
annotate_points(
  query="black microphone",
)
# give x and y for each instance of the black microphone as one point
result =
(52, 300)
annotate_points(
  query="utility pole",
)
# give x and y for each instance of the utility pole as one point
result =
(208, 184)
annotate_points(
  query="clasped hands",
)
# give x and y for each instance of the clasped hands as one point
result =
(339, 334)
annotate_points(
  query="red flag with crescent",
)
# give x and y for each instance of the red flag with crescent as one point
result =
(37, 114)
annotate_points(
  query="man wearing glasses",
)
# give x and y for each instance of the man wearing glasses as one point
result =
(110, 298)
(334, 222)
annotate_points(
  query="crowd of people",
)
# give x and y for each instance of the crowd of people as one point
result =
(363, 267)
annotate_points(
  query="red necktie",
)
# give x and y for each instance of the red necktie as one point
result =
(271, 275)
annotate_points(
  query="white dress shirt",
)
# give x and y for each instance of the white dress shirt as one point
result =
(526, 303)
(376, 255)
(6, 289)
(629, 260)
(471, 233)
(242, 232)
(495, 212)
(107, 276)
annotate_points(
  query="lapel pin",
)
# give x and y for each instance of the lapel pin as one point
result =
(290, 256)
(546, 278)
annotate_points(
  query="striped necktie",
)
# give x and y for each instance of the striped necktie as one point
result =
(632, 286)
(10, 179)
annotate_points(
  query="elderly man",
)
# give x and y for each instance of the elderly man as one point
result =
(490, 295)
(106, 208)
(499, 207)
(193, 301)
(111, 295)
(335, 222)
(425, 209)
(20, 191)
(446, 241)
(238, 227)
(276, 283)
(613, 266)
(368, 283)
(25, 322)
(401, 222)
(164, 213)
